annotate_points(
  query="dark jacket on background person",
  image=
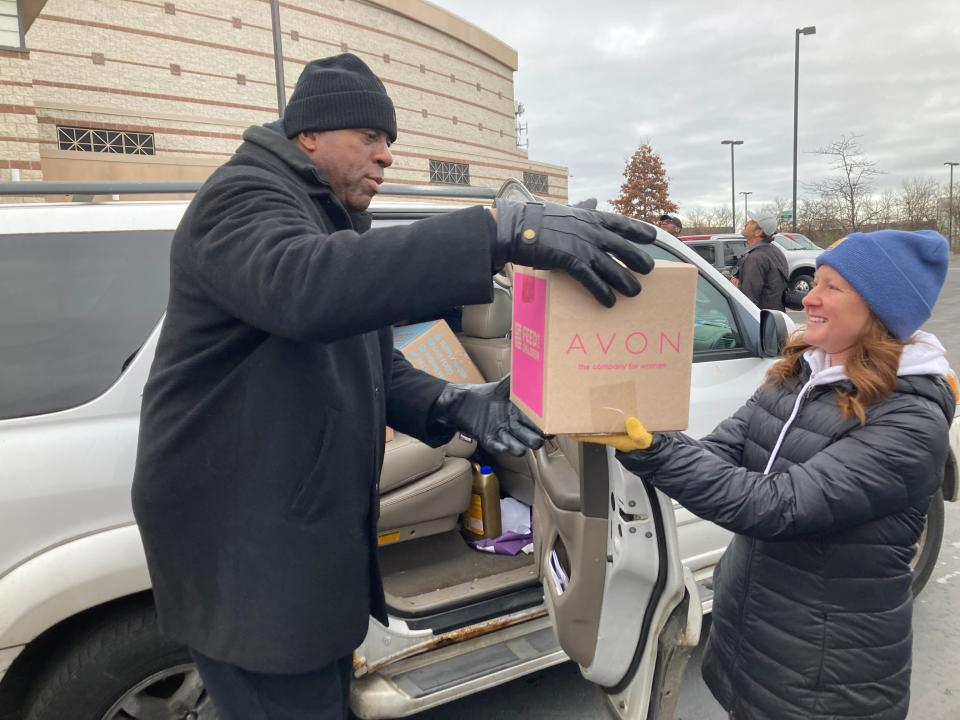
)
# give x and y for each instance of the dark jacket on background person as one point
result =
(812, 598)
(763, 274)
(262, 426)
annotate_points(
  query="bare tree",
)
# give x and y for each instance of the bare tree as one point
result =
(776, 207)
(887, 208)
(918, 200)
(719, 216)
(696, 218)
(851, 187)
(943, 206)
(817, 218)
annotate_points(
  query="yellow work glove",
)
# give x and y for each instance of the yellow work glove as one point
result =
(636, 437)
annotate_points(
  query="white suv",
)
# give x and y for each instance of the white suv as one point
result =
(82, 293)
(723, 251)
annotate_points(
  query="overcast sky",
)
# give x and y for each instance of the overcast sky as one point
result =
(598, 78)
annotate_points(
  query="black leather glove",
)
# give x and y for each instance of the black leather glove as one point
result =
(485, 413)
(546, 235)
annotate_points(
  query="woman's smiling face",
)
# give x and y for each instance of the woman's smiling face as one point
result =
(836, 314)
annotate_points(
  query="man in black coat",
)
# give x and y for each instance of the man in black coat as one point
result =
(262, 426)
(763, 270)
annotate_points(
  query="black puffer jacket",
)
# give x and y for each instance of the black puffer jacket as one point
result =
(812, 608)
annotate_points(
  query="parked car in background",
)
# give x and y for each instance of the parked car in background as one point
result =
(801, 260)
(786, 242)
(803, 241)
(723, 251)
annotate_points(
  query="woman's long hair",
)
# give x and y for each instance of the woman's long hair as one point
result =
(871, 366)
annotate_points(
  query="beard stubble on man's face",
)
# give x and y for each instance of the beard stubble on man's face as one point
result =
(351, 161)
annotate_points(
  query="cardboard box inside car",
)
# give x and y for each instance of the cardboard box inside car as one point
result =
(578, 367)
(433, 347)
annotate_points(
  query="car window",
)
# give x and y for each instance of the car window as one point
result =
(74, 309)
(732, 252)
(804, 242)
(707, 252)
(714, 326)
(786, 243)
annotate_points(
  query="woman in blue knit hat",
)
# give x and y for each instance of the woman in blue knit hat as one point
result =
(825, 476)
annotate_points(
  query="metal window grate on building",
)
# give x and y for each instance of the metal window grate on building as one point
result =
(119, 142)
(449, 173)
(536, 182)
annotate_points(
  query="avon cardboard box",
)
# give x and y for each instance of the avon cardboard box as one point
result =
(434, 348)
(578, 367)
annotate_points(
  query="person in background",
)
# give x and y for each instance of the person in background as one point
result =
(671, 223)
(825, 476)
(762, 271)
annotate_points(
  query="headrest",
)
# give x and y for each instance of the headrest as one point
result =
(491, 320)
(504, 278)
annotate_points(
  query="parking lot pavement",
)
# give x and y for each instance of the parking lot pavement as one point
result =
(935, 692)
(945, 322)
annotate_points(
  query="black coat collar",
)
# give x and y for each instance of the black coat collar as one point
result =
(269, 145)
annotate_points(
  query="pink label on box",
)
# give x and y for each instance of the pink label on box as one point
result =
(527, 356)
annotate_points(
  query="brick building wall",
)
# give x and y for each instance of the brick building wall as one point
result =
(190, 75)
(19, 131)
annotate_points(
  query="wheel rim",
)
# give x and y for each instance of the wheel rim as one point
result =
(801, 286)
(176, 693)
(921, 542)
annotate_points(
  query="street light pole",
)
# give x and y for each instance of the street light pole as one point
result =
(810, 30)
(745, 193)
(951, 165)
(733, 192)
(278, 56)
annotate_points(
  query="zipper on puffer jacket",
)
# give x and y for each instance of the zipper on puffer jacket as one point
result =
(823, 650)
(743, 606)
(801, 398)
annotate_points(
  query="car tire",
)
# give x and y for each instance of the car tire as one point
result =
(928, 548)
(121, 666)
(801, 284)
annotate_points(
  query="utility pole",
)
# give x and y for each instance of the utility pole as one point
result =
(745, 193)
(811, 30)
(278, 57)
(951, 165)
(733, 191)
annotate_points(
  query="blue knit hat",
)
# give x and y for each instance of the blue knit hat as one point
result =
(898, 274)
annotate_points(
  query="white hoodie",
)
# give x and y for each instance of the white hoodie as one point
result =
(922, 355)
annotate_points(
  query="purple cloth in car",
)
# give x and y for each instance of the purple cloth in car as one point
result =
(509, 543)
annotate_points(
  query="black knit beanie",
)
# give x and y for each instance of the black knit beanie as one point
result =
(338, 93)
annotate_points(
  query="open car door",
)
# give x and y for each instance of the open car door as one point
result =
(622, 605)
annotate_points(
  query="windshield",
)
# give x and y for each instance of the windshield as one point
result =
(804, 242)
(786, 243)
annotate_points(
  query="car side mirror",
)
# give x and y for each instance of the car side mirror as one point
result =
(774, 332)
